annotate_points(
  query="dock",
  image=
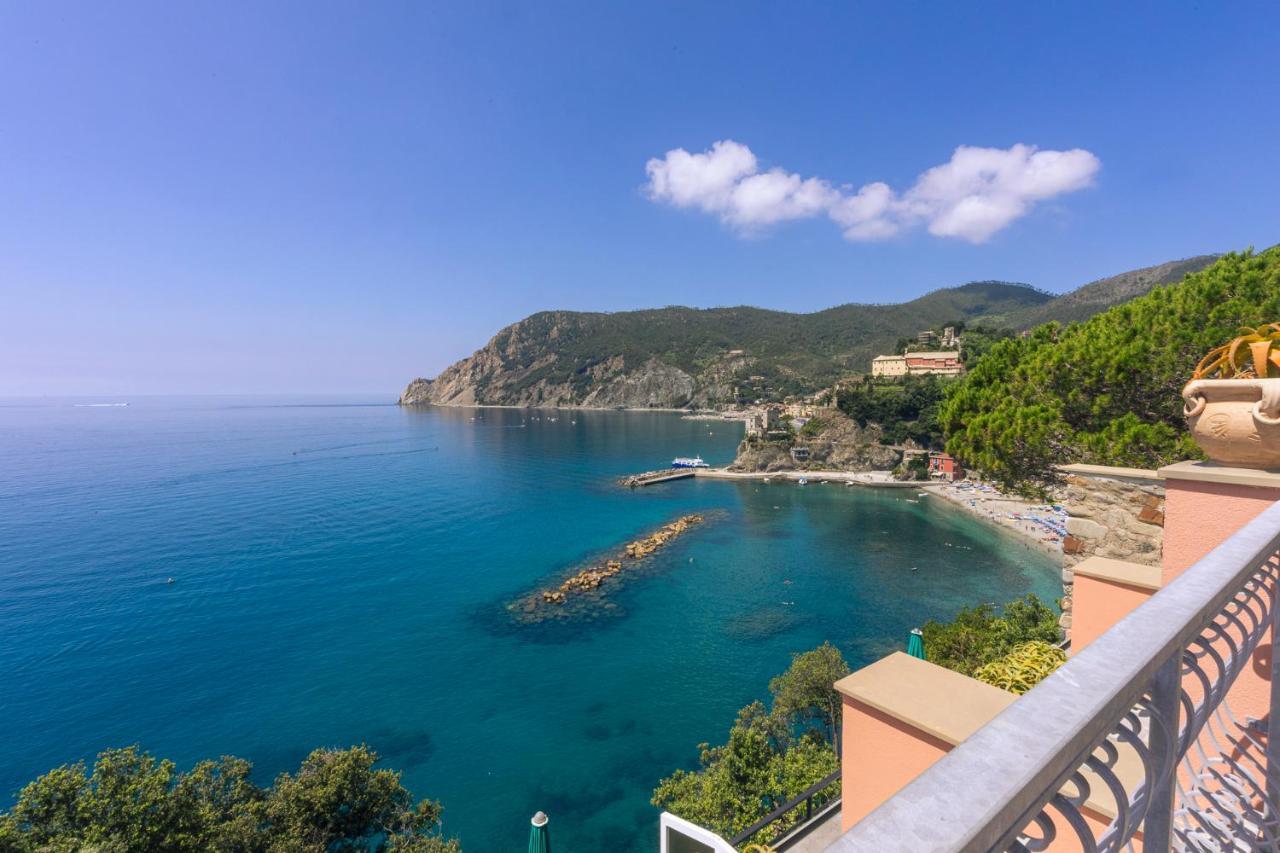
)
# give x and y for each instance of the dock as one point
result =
(648, 478)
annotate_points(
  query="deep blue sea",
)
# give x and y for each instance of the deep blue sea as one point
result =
(342, 570)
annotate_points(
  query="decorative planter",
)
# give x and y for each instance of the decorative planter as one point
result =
(1235, 421)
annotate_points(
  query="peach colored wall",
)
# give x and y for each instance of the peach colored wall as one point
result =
(1098, 604)
(879, 755)
(1198, 518)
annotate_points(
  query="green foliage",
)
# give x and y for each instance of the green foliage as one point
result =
(1105, 391)
(979, 340)
(979, 635)
(132, 801)
(1023, 668)
(905, 408)
(771, 754)
(813, 426)
(914, 467)
(804, 697)
(791, 354)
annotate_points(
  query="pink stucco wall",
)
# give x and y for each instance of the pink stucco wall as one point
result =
(1098, 604)
(1199, 517)
(879, 755)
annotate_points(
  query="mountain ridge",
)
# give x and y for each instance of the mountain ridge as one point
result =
(680, 357)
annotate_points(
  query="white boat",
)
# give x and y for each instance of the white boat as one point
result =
(688, 462)
(803, 481)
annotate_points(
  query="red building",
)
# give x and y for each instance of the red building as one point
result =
(944, 467)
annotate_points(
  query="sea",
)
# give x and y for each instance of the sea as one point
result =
(260, 577)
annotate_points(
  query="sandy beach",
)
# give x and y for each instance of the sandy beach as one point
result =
(992, 505)
(880, 479)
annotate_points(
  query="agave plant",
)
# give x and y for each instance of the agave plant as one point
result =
(1255, 354)
(1024, 667)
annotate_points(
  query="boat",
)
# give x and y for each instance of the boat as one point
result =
(688, 462)
(803, 481)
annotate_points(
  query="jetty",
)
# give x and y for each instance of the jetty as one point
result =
(585, 584)
(648, 478)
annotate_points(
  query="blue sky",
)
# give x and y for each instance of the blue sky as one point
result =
(311, 197)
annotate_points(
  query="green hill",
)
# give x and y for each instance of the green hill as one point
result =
(680, 357)
(1097, 296)
(1104, 391)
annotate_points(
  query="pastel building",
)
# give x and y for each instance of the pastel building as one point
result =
(941, 363)
(889, 365)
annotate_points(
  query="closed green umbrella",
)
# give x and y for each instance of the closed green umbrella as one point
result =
(539, 837)
(915, 645)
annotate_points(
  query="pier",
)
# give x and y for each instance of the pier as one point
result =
(648, 478)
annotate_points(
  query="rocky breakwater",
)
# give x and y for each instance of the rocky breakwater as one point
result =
(831, 441)
(583, 588)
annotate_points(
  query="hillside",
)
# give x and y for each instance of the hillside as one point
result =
(679, 357)
(1105, 391)
(1097, 296)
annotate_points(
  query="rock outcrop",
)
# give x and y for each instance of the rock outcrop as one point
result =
(524, 366)
(1110, 515)
(832, 441)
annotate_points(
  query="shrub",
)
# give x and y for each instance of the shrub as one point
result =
(1023, 668)
(979, 635)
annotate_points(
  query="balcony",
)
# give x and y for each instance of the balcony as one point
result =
(1153, 736)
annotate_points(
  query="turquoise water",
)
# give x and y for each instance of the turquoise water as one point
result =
(341, 574)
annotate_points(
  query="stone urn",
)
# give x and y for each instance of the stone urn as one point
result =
(1235, 421)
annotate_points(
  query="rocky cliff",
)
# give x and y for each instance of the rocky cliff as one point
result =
(834, 442)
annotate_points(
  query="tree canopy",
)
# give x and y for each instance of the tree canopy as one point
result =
(337, 801)
(1105, 391)
(983, 634)
(906, 408)
(772, 754)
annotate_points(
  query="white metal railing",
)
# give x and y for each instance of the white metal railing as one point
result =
(1133, 735)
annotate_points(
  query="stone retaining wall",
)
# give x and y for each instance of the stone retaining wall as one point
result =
(1114, 512)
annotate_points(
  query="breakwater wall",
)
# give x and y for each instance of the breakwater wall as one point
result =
(584, 588)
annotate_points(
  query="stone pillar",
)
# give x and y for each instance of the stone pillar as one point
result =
(1116, 513)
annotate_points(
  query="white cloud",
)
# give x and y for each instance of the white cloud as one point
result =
(975, 194)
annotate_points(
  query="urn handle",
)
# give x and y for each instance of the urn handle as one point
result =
(1267, 410)
(1195, 401)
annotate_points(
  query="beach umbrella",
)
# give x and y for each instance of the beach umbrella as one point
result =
(915, 645)
(539, 837)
